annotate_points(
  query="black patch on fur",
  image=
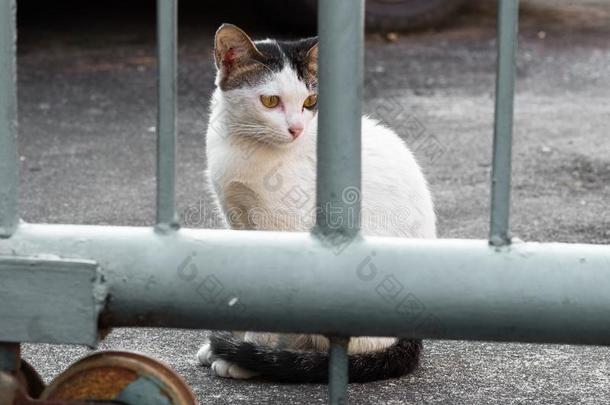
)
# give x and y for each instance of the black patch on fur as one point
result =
(257, 69)
(292, 366)
(274, 56)
(296, 53)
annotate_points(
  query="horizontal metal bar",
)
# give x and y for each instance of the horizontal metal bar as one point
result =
(341, 32)
(9, 167)
(247, 280)
(49, 300)
(508, 15)
(167, 15)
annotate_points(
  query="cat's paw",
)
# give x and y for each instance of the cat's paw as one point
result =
(228, 370)
(205, 356)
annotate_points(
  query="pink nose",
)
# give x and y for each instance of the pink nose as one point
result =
(295, 131)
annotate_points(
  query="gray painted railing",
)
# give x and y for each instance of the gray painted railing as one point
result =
(341, 32)
(167, 33)
(9, 168)
(508, 13)
(294, 282)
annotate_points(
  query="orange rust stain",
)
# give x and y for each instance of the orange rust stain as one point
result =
(102, 383)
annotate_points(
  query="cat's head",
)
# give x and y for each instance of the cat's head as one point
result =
(268, 88)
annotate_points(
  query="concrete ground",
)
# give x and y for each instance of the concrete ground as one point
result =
(87, 116)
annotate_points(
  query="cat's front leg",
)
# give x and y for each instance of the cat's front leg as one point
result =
(229, 370)
(205, 356)
(222, 368)
(219, 367)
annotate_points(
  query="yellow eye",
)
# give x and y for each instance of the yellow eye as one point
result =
(311, 101)
(270, 101)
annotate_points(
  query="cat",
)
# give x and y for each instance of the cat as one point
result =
(261, 154)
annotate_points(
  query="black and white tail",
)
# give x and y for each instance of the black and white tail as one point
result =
(294, 366)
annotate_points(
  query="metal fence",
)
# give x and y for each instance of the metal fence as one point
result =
(62, 283)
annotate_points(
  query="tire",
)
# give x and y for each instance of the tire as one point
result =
(403, 15)
(395, 15)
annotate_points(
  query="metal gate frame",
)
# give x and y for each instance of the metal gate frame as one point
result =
(63, 283)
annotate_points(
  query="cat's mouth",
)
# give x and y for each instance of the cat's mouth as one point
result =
(276, 140)
(286, 137)
(287, 141)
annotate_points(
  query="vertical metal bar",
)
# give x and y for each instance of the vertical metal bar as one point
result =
(339, 155)
(508, 15)
(340, 71)
(9, 166)
(167, 13)
(338, 371)
(10, 356)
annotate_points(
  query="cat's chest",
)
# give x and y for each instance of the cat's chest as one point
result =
(275, 194)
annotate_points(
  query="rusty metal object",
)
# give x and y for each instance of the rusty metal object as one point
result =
(104, 376)
(13, 392)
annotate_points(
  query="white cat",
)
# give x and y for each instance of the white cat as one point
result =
(261, 153)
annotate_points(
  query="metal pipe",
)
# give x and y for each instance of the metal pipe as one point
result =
(340, 72)
(9, 162)
(508, 15)
(10, 356)
(338, 371)
(449, 289)
(166, 116)
(339, 154)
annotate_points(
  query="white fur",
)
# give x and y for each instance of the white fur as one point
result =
(240, 112)
(205, 355)
(228, 370)
(265, 180)
(269, 169)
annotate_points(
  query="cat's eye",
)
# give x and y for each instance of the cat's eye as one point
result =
(270, 101)
(311, 101)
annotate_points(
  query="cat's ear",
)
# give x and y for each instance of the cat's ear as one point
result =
(312, 56)
(233, 47)
(312, 63)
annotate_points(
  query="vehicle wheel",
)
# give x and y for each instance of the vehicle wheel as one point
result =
(381, 15)
(401, 15)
